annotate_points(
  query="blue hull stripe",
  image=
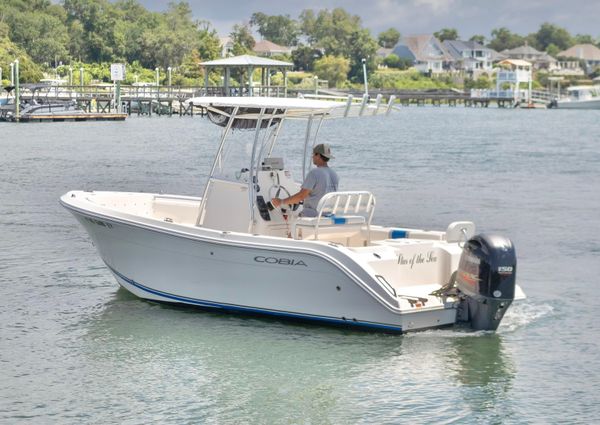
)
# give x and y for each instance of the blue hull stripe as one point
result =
(237, 308)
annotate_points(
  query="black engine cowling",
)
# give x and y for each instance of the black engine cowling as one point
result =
(486, 280)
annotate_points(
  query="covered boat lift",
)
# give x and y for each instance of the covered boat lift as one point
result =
(249, 63)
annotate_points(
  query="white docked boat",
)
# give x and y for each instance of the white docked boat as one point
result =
(580, 97)
(228, 250)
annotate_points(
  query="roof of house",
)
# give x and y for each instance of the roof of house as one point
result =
(456, 47)
(582, 51)
(423, 48)
(516, 62)
(523, 50)
(266, 46)
(529, 52)
(247, 60)
(384, 52)
(225, 40)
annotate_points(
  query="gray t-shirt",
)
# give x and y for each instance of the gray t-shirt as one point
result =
(320, 180)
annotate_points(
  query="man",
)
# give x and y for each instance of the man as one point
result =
(318, 182)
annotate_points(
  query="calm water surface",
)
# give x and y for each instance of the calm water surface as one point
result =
(76, 349)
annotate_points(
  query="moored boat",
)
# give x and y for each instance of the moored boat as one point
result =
(579, 97)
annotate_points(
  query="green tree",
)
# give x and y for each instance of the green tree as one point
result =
(280, 29)
(446, 34)
(388, 38)
(584, 39)
(330, 30)
(478, 39)
(98, 18)
(503, 38)
(304, 57)
(393, 61)
(362, 46)
(243, 42)
(553, 50)
(340, 34)
(9, 51)
(207, 43)
(38, 27)
(551, 34)
(334, 69)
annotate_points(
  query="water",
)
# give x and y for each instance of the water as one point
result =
(76, 349)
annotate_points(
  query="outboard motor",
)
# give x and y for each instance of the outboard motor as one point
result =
(486, 279)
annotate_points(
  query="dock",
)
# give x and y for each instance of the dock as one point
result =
(100, 104)
(81, 117)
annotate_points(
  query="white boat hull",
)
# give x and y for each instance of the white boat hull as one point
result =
(308, 280)
(579, 104)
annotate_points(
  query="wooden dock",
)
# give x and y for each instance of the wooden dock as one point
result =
(100, 103)
(72, 117)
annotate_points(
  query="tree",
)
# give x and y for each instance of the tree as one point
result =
(362, 46)
(37, 27)
(388, 38)
(584, 39)
(340, 34)
(334, 69)
(553, 50)
(393, 61)
(503, 39)
(478, 39)
(207, 43)
(330, 30)
(552, 34)
(446, 34)
(243, 42)
(304, 57)
(280, 29)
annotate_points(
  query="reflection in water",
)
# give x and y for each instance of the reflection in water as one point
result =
(485, 371)
(482, 360)
(261, 366)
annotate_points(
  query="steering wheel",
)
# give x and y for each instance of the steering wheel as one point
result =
(293, 207)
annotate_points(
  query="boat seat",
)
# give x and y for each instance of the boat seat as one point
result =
(337, 210)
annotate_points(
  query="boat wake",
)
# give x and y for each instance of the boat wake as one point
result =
(519, 315)
(523, 314)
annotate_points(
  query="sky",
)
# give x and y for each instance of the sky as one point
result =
(410, 17)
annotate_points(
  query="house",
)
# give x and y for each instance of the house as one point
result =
(383, 52)
(539, 60)
(471, 56)
(268, 49)
(588, 53)
(426, 51)
(513, 72)
(226, 46)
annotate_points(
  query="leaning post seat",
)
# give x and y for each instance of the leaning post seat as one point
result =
(339, 209)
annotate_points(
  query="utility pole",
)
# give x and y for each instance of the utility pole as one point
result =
(364, 64)
(17, 94)
(157, 83)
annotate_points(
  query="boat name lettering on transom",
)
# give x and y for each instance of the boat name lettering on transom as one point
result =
(282, 261)
(418, 258)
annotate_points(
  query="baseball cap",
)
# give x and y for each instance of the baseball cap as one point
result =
(323, 149)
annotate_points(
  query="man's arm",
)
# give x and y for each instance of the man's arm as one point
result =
(294, 199)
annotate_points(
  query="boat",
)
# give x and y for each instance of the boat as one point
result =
(230, 250)
(579, 97)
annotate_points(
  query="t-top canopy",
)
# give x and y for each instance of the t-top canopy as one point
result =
(285, 107)
(267, 102)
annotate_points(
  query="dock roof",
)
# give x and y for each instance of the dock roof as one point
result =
(248, 60)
